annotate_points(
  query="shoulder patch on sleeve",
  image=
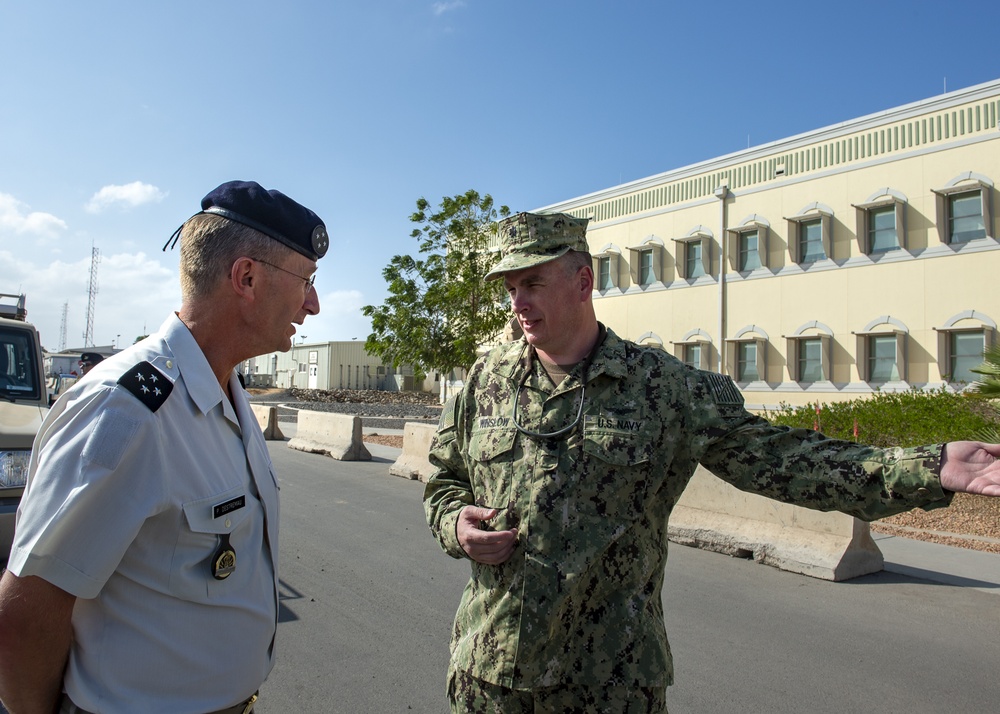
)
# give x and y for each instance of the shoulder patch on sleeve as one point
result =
(148, 384)
(109, 439)
(447, 420)
(724, 390)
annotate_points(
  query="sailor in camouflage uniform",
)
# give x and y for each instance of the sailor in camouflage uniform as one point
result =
(559, 464)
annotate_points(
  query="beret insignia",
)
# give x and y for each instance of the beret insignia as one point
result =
(148, 384)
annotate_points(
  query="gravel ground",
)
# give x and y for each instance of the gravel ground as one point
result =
(970, 522)
(387, 410)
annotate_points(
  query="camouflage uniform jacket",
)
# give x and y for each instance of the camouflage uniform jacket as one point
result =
(580, 598)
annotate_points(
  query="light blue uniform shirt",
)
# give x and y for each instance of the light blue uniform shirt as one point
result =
(125, 509)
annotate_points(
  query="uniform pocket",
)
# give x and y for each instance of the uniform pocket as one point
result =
(617, 474)
(492, 450)
(205, 521)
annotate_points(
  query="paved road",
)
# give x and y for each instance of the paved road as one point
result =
(368, 599)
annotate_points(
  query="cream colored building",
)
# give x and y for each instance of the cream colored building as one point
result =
(329, 365)
(824, 266)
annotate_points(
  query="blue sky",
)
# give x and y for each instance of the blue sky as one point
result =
(117, 117)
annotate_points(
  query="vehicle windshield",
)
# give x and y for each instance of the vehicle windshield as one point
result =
(18, 370)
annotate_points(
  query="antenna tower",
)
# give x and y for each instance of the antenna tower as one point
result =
(95, 258)
(62, 327)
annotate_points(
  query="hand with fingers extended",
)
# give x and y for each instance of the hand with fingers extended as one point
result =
(971, 467)
(484, 546)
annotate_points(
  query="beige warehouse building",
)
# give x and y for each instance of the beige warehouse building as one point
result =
(824, 266)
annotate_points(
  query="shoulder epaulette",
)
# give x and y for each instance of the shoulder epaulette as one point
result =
(148, 384)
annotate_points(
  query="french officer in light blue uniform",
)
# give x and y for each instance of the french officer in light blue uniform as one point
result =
(143, 575)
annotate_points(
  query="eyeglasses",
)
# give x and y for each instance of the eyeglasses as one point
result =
(310, 281)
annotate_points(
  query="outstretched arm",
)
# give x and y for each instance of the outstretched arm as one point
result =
(971, 467)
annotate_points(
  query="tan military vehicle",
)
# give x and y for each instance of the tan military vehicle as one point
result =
(23, 404)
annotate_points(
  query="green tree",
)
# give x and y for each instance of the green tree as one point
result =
(988, 387)
(440, 308)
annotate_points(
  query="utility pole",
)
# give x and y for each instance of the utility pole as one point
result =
(95, 258)
(62, 327)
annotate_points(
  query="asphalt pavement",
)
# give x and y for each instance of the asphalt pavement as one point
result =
(368, 599)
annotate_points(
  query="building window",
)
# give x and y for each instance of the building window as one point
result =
(693, 355)
(694, 349)
(883, 364)
(693, 264)
(882, 236)
(646, 265)
(749, 251)
(810, 360)
(746, 362)
(965, 354)
(963, 209)
(745, 354)
(606, 267)
(809, 352)
(962, 341)
(604, 281)
(810, 232)
(646, 276)
(811, 241)
(881, 350)
(881, 222)
(694, 253)
(965, 217)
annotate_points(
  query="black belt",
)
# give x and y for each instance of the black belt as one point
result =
(245, 707)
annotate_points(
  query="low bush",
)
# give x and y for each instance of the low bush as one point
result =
(897, 419)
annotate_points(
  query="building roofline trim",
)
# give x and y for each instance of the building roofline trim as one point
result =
(779, 146)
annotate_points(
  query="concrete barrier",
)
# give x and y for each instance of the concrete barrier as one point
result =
(267, 417)
(336, 435)
(713, 515)
(413, 463)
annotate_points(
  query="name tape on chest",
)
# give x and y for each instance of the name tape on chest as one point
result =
(494, 423)
(610, 422)
(148, 384)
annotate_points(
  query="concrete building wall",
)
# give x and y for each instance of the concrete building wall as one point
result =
(327, 365)
(851, 300)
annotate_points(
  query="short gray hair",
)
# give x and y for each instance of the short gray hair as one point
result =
(211, 244)
(576, 259)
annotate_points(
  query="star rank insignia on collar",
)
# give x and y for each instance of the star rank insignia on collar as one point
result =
(147, 383)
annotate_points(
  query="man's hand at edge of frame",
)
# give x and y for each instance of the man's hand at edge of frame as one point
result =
(971, 467)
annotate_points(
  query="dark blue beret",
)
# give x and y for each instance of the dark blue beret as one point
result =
(91, 358)
(272, 213)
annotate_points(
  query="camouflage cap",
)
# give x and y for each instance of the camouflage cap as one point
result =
(530, 239)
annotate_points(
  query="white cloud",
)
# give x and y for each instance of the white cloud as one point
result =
(129, 195)
(441, 8)
(135, 294)
(16, 217)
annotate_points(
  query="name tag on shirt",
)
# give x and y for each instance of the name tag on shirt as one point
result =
(234, 504)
